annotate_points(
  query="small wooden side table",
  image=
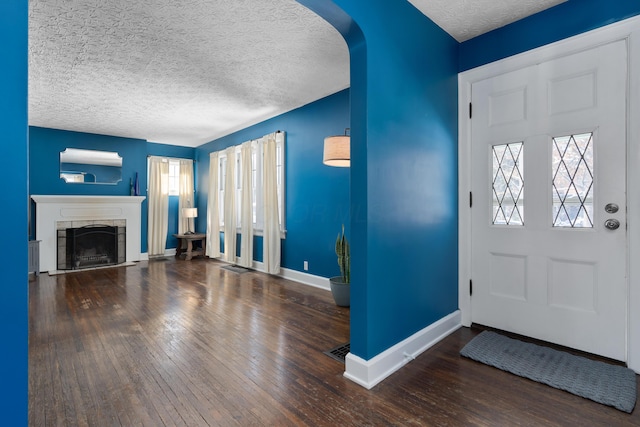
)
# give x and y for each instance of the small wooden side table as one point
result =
(190, 239)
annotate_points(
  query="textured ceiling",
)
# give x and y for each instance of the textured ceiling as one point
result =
(465, 19)
(177, 72)
(187, 72)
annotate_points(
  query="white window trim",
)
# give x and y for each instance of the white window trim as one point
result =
(174, 179)
(256, 148)
(170, 160)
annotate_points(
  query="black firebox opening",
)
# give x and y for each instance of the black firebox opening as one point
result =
(91, 246)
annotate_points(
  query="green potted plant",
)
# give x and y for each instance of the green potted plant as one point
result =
(340, 285)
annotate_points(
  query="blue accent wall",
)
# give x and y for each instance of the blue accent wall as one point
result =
(562, 21)
(14, 301)
(317, 196)
(44, 157)
(45, 146)
(404, 152)
(402, 217)
(403, 171)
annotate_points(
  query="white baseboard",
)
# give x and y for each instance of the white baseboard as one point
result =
(258, 266)
(285, 273)
(305, 278)
(298, 276)
(368, 373)
(167, 253)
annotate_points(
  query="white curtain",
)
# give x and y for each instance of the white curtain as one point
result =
(271, 242)
(158, 203)
(186, 195)
(246, 210)
(230, 207)
(213, 212)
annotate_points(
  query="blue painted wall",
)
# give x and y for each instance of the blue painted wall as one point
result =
(44, 156)
(14, 301)
(404, 171)
(410, 117)
(404, 167)
(44, 160)
(565, 20)
(46, 145)
(317, 196)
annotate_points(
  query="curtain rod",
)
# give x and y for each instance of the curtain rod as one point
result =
(169, 157)
(239, 144)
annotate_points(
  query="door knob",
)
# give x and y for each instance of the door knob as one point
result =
(611, 208)
(612, 224)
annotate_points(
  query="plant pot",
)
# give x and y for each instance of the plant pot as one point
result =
(341, 291)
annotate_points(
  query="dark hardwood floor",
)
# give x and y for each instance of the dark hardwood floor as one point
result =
(177, 343)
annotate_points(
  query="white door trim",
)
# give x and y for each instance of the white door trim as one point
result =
(625, 30)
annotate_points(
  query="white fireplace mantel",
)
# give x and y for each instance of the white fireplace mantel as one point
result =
(52, 209)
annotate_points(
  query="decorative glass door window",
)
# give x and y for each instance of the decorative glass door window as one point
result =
(508, 184)
(572, 181)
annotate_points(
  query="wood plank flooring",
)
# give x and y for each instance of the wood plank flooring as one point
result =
(176, 343)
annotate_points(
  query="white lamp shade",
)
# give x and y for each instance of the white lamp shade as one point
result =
(190, 212)
(337, 151)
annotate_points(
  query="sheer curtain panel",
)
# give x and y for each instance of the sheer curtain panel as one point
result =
(230, 207)
(158, 215)
(213, 215)
(271, 242)
(246, 206)
(185, 194)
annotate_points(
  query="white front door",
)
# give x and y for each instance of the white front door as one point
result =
(548, 183)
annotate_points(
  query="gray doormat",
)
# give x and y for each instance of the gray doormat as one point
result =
(236, 268)
(601, 382)
(340, 352)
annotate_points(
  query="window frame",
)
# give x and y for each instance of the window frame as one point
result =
(174, 177)
(257, 155)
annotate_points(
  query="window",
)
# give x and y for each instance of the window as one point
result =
(256, 184)
(508, 184)
(280, 168)
(222, 180)
(238, 186)
(572, 181)
(256, 171)
(174, 177)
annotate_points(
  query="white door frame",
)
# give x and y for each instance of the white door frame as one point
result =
(628, 30)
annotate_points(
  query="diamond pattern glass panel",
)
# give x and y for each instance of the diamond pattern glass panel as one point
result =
(572, 183)
(508, 184)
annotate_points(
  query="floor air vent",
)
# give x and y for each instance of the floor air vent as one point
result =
(340, 352)
(236, 268)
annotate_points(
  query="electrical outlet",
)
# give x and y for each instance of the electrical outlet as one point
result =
(306, 265)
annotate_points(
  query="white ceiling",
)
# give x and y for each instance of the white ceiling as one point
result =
(188, 72)
(465, 19)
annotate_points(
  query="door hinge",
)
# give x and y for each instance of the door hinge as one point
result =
(470, 199)
(470, 287)
(470, 110)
